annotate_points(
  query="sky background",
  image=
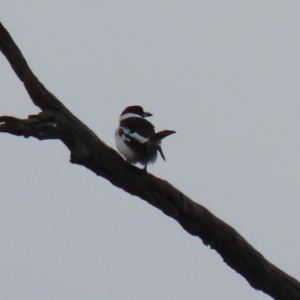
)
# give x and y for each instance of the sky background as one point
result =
(224, 74)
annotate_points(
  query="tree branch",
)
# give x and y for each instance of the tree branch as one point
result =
(57, 122)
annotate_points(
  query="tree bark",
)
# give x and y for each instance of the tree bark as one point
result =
(56, 122)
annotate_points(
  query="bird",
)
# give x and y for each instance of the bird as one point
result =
(136, 139)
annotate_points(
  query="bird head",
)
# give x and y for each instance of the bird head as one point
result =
(134, 110)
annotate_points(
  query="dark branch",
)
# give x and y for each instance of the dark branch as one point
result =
(56, 122)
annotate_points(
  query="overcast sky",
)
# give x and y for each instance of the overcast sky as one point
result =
(224, 74)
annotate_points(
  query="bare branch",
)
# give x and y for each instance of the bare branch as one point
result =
(57, 122)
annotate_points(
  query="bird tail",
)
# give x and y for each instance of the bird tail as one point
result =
(157, 137)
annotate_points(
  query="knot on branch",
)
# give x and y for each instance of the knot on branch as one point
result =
(41, 126)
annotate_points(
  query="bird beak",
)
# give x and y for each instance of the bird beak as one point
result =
(147, 115)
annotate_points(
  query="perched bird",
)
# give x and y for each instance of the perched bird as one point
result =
(136, 139)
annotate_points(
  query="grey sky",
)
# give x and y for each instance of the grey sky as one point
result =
(223, 74)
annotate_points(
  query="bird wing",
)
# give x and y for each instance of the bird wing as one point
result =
(138, 129)
(136, 132)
